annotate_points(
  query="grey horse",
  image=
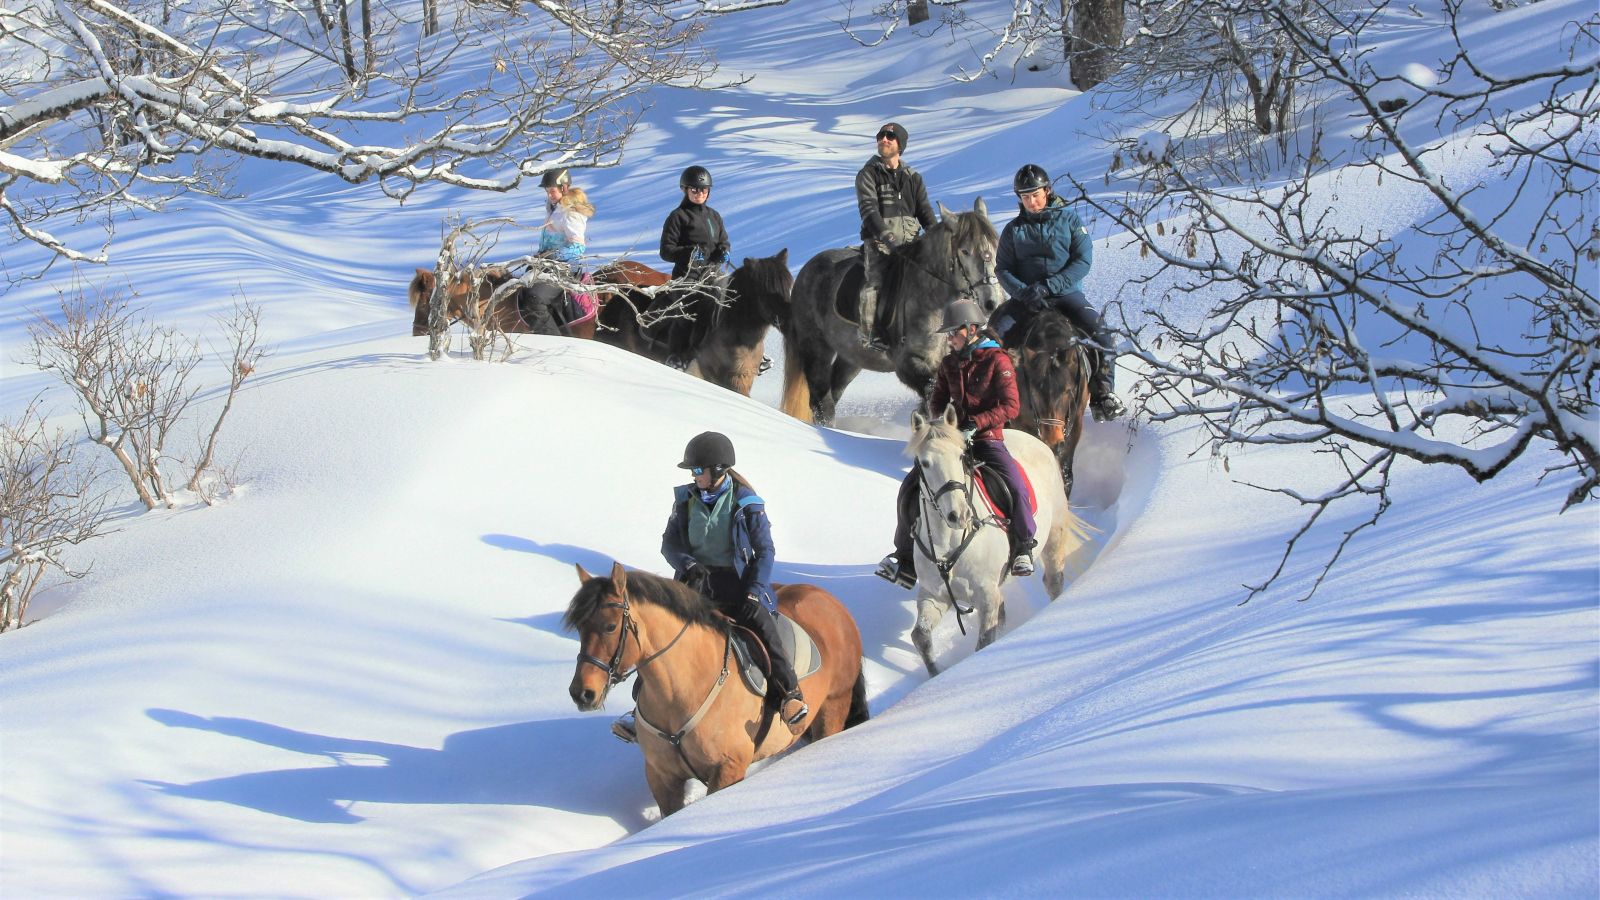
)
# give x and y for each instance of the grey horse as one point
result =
(822, 349)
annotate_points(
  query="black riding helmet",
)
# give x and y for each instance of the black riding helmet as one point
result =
(695, 177)
(1030, 178)
(556, 178)
(708, 450)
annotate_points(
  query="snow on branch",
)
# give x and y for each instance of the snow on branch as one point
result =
(1466, 340)
(107, 107)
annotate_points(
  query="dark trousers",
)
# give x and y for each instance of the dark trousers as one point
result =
(1021, 527)
(728, 593)
(540, 305)
(1012, 318)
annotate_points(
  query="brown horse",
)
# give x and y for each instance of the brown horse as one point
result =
(1052, 365)
(730, 355)
(504, 318)
(680, 647)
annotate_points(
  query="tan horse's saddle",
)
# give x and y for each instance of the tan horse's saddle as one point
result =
(755, 667)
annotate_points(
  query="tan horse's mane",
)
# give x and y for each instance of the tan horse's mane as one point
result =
(643, 587)
(935, 430)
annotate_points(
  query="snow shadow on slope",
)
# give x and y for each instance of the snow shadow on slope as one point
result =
(498, 765)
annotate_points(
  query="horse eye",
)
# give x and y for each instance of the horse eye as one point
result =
(610, 628)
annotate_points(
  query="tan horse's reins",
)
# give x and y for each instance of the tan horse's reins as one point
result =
(614, 675)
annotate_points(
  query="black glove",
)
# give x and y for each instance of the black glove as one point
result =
(1032, 297)
(889, 240)
(697, 578)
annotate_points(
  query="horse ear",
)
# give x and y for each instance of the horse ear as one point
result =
(783, 257)
(746, 263)
(582, 575)
(950, 417)
(423, 272)
(980, 208)
(918, 420)
(944, 213)
(619, 577)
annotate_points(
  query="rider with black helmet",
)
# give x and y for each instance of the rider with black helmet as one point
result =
(719, 542)
(566, 220)
(977, 379)
(1045, 252)
(694, 240)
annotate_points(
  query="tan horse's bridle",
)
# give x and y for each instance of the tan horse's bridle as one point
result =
(613, 669)
(615, 675)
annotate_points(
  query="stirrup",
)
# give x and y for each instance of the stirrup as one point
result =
(1022, 566)
(624, 728)
(891, 570)
(798, 717)
(679, 362)
(766, 365)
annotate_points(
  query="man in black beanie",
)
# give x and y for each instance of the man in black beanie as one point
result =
(894, 211)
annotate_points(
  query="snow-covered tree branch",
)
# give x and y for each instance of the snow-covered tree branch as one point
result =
(118, 106)
(1464, 339)
(1084, 35)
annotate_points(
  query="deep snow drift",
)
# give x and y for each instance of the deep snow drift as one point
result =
(350, 680)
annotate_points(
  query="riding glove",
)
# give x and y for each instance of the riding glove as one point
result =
(969, 433)
(1033, 296)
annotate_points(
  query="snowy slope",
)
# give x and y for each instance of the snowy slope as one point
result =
(350, 681)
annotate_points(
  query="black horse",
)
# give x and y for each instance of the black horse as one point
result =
(822, 345)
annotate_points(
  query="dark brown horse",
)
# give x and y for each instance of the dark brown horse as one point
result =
(679, 645)
(1052, 366)
(460, 304)
(730, 355)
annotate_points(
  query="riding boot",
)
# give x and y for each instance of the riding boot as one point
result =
(871, 281)
(679, 334)
(1103, 402)
(900, 566)
(785, 685)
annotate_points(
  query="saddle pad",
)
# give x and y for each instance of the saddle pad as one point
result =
(805, 657)
(997, 493)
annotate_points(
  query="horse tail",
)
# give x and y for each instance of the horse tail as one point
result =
(858, 700)
(796, 390)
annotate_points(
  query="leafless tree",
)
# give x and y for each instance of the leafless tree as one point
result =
(132, 381)
(1084, 35)
(119, 105)
(1466, 340)
(48, 502)
(241, 330)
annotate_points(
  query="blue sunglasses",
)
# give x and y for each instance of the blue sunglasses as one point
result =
(701, 470)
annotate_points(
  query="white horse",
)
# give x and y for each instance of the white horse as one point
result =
(962, 552)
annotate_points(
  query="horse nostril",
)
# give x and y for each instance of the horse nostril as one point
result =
(582, 696)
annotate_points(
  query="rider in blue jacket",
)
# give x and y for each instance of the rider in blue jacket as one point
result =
(718, 541)
(1045, 252)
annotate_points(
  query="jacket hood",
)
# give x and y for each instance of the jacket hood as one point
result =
(577, 201)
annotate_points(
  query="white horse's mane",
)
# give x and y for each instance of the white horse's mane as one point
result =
(935, 430)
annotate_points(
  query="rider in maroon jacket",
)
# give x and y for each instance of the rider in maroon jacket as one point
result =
(975, 378)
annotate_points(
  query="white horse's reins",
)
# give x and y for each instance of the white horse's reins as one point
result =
(947, 564)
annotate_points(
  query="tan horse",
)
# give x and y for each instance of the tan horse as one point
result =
(679, 646)
(459, 304)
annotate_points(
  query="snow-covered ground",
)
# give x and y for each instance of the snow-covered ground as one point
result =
(350, 680)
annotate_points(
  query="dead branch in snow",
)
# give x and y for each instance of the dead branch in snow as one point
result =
(49, 501)
(1465, 340)
(112, 106)
(465, 256)
(132, 380)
